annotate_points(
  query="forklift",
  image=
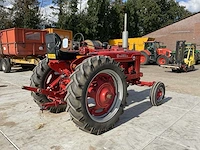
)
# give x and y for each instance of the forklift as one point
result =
(184, 58)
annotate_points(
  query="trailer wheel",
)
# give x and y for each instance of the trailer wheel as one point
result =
(96, 94)
(6, 66)
(1, 60)
(144, 58)
(157, 93)
(41, 77)
(162, 60)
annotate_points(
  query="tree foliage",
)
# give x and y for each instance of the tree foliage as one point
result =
(100, 19)
(23, 14)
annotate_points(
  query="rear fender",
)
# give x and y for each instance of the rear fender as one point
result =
(79, 59)
(147, 52)
(164, 51)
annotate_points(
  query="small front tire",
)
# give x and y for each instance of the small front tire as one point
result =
(157, 93)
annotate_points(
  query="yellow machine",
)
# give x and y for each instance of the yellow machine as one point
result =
(133, 43)
(184, 58)
(189, 53)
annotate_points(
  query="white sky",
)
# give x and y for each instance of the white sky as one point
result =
(191, 5)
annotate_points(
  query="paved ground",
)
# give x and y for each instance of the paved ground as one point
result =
(175, 125)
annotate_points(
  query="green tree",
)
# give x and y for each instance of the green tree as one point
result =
(173, 12)
(103, 19)
(133, 18)
(63, 11)
(5, 16)
(115, 19)
(26, 14)
(148, 12)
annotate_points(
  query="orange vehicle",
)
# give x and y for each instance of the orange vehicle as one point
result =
(21, 46)
(154, 52)
(25, 47)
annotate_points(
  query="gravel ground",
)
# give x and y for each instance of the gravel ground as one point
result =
(185, 82)
(175, 125)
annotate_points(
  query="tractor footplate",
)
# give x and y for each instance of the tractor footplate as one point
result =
(46, 106)
(39, 90)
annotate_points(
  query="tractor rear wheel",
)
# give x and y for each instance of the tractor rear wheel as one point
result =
(144, 58)
(42, 76)
(162, 60)
(5, 65)
(157, 93)
(96, 94)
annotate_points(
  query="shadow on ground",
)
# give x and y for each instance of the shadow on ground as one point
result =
(142, 106)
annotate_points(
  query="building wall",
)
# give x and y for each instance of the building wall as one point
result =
(187, 29)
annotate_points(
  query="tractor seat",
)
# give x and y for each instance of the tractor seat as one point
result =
(68, 55)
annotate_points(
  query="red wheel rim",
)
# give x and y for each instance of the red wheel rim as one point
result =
(162, 61)
(102, 91)
(104, 95)
(160, 94)
(142, 59)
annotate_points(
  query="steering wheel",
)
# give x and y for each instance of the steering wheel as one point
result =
(77, 43)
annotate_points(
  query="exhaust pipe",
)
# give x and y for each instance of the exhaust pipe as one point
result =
(125, 34)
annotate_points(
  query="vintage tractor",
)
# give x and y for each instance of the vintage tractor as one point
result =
(154, 52)
(90, 83)
(93, 84)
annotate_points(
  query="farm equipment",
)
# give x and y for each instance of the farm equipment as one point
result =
(184, 57)
(151, 51)
(154, 52)
(90, 83)
(190, 46)
(133, 43)
(21, 46)
(25, 47)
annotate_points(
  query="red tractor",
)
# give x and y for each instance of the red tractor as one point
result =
(154, 52)
(91, 84)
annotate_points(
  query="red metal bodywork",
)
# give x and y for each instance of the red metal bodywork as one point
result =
(164, 51)
(128, 60)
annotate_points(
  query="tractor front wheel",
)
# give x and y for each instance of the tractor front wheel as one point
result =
(157, 93)
(96, 94)
(43, 76)
(162, 60)
(144, 58)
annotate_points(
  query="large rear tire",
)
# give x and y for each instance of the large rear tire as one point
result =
(42, 76)
(144, 58)
(6, 66)
(96, 94)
